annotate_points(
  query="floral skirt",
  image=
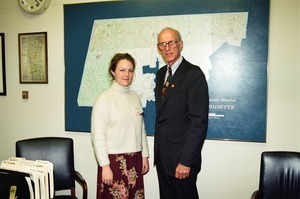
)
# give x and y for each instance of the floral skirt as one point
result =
(127, 178)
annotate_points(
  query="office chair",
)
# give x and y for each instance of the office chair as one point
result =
(13, 184)
(279, 176)
(60, 152)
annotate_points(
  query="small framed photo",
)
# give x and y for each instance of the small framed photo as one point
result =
(33, 58)
(2, 65)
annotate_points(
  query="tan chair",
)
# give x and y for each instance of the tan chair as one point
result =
(279, 176)
(60, 152)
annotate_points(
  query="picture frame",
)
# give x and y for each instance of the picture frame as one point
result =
(240, 49)
(33, 58)
(2, 65)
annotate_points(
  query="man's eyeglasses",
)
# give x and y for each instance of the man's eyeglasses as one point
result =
(171, 44)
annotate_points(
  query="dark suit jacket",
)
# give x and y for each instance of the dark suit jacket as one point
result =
(181, 117)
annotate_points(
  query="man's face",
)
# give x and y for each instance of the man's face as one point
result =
(169, 47)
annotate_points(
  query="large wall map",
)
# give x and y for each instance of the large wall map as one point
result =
(220, 42)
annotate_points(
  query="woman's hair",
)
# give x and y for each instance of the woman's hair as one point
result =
(115, 60)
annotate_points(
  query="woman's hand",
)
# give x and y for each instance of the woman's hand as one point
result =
(107, 175)
(145, 168)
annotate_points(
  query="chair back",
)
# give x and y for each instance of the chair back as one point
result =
(57, 150)
(280, 175)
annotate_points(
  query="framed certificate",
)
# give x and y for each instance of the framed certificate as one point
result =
(2, 65)
(33, 60)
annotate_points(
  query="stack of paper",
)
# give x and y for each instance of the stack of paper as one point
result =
(41, 183)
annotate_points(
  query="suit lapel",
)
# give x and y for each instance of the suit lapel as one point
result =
(174, 83)
(159, 85)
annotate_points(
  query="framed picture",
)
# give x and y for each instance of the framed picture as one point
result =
(2, 65)
(221, 38)
(33, 60)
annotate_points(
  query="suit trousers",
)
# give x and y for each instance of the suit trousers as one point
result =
(173, 188)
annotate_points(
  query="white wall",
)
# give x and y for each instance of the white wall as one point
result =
(230, 169)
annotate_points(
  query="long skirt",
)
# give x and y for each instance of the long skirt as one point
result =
(127, 178)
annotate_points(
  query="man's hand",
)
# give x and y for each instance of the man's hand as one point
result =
(182, 171)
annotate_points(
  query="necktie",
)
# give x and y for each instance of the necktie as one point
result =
(167, 81)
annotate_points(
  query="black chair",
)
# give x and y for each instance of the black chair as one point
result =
(279, 176)
(60, 152)
(13, 184)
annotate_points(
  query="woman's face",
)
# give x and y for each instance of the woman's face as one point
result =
(124, 72)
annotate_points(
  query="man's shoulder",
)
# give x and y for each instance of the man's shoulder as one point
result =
(162, 69)
(191, 67)
(189, 64)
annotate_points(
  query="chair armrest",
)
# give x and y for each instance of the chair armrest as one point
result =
(82, 182)
(256, 195)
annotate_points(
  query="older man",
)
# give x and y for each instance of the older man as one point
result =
(181, 97)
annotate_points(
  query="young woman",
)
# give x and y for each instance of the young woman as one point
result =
(118, 135)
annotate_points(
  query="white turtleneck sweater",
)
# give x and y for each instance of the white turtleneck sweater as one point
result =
(118, 124)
